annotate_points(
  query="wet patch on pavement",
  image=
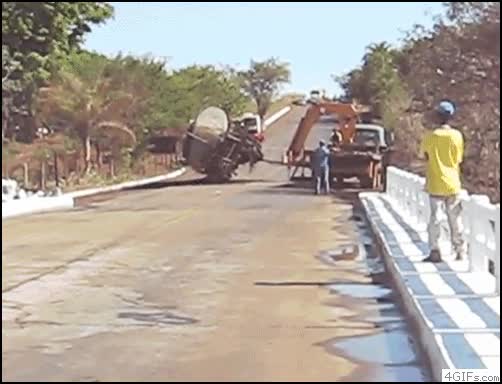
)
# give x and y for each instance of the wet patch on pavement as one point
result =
(388, 351)
(397, 347)
(361, 291)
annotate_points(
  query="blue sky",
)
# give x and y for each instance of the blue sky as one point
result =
(317, 39)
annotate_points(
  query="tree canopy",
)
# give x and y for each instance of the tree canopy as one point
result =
(35, 37)
(263, 80)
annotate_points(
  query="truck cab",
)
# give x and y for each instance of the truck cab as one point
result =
(252, 124)
(371, 135)
(315, 96)
(364, 157)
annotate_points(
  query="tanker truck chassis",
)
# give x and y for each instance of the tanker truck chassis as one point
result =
(216, 147)
(220, 159)
(213, 145)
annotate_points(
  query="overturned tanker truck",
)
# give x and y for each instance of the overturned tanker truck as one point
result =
(216, 147)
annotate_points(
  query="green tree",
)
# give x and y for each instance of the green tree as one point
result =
(87, 103)
(459, 58)
(263, 80)
(97, 99)
(35, 36)
(377, 82)
(187, 91)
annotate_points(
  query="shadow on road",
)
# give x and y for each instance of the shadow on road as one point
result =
(303, 186)
(196, 182)
(292, 283)
(273, 162)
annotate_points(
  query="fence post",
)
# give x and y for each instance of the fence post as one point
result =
(42, 175)
(56, 169)
(26, 177)
(497, 247)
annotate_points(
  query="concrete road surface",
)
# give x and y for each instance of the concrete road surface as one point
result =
(254, 280)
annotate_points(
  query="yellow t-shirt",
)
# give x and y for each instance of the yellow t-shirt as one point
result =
(444, 148)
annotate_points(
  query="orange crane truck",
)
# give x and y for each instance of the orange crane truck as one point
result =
(357, 150)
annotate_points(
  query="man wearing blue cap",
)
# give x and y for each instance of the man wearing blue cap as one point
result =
(443, 148)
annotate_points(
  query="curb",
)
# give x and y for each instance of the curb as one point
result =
(127, 184)
(66, 201)
(434, 358)
(30, 205)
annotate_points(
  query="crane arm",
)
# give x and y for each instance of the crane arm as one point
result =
(303, 130)
(347, 114)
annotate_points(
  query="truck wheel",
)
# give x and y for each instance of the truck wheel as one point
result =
(366, 182)
(377, 179)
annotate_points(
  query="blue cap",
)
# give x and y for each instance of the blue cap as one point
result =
(446, 108)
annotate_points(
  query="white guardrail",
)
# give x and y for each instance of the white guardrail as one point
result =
(481, 218)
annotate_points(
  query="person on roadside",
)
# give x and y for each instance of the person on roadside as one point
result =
(443, 149)
(321, 167)
(336, 138)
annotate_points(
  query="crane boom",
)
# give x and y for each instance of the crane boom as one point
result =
(347, 115)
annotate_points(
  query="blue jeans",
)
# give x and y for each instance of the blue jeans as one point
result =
(322, 176)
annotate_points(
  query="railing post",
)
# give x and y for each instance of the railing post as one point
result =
(398, 187)
(403, 182)
(390, 182)
(393, 182)
(473, 251)
(416, 198)
(424, 197)
(478, 258)
(466, 221)
(497, 247)
(411, 197)
(407, 193)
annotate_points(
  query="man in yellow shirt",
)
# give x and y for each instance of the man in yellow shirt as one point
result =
(443, 148)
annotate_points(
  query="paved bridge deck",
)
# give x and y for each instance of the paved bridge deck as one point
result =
(456, 312)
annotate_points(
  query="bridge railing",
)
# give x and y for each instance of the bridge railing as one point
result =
(481, 218)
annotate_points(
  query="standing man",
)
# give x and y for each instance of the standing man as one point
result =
(321, 167)
(336, 138)
(443, 148)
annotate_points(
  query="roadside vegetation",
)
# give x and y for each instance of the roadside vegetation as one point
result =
(458, 59)
(95, 114)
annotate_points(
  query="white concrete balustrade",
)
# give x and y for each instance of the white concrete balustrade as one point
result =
(454, 305)
(481, 218)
